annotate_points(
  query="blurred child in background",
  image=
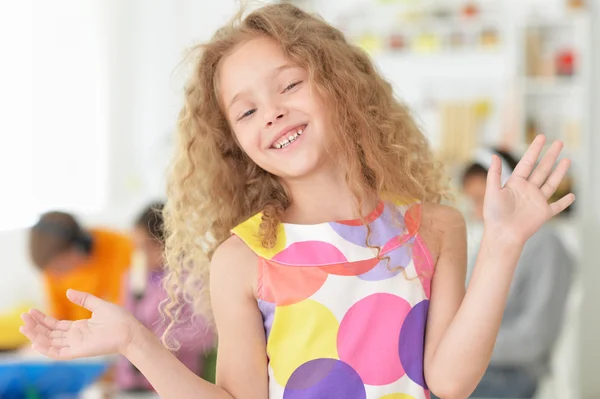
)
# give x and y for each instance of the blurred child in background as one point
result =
(534, 312)
(71, 256)
(143, 296)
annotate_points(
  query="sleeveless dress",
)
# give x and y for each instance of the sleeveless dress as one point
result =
(342, 321)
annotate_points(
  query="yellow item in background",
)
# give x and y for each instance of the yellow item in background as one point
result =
(10, 321)
(482, 108)
(370, 43)
(427, 43)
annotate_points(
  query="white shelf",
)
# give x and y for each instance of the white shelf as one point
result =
(552, 86)
(575, 18)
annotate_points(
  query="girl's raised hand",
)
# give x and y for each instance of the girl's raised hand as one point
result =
(521, 207)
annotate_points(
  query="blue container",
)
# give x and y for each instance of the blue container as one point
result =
(28, 378)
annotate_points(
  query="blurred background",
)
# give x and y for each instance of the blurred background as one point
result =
(91, 90)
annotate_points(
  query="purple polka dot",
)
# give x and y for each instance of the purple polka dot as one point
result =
(325, 378)
(383, 229)
(398, 259)
(267, 309)
(412, 342)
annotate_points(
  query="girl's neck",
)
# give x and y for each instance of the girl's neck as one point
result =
(324, 198)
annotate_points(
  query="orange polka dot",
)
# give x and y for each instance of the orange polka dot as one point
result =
(351, 268)
(286, 285)
(412, 219)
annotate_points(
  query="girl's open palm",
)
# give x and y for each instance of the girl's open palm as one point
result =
(521, 206)
(108, 331)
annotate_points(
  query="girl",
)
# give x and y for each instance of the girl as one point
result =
(292, 141)
(194, 338)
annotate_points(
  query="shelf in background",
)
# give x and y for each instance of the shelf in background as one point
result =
(571, 20)
(552, 86)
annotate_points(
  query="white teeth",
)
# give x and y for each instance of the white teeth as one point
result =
(288, 140)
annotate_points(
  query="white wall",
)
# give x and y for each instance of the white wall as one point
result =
(65, 100)
(142, 42)
(21, 286)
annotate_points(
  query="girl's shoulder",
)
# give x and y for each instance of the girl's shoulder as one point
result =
(443, 216)
(440, 225)
(234, 265)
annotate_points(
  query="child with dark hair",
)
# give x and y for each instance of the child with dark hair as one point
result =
(143, 299)
(70, 255)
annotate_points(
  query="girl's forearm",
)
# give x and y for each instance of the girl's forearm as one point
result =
(464, 351)
(170, 378)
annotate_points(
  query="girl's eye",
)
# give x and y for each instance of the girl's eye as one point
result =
(292, 85)
(247, 113)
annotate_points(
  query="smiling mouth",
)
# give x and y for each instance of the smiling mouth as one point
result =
(289, 139)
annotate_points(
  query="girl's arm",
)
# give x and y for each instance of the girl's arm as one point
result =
(242, 361)
(461, 332)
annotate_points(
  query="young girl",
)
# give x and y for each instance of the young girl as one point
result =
(315, 198)
(195, 340)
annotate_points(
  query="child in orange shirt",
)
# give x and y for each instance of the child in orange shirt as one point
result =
(68, 255)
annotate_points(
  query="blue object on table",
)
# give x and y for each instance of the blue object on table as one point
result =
(27, 378)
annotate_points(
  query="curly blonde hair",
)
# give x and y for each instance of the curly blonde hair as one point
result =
(214, 185)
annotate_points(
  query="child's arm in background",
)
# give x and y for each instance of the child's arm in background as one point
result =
(193, 333)
(242, 360)
(120, 272)
(462, 328)
(57, 303)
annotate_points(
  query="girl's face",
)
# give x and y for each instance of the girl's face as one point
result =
(276, 116)
(149, 247)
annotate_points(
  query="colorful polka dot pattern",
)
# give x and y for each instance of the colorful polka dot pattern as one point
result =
(345, 307)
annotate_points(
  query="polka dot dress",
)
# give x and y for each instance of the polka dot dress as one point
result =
(344, 316)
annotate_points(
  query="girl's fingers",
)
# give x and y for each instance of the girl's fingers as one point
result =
(50, 321)
(526, 164)
(562, 204)
(544, 168)
(555, 178)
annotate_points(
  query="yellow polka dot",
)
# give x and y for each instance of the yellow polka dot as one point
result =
(248, 232)
(301, 332)
(397, 396)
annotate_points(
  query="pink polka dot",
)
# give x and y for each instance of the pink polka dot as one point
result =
(392, 244)
(310, 253)
(368, 338)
